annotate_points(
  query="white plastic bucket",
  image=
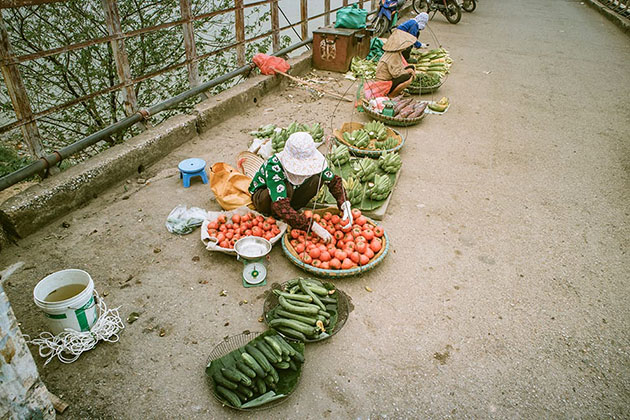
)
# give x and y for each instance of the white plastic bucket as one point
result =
(77, 312)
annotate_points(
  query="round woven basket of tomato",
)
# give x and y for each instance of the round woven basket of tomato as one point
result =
(221, 230)
(353, 250)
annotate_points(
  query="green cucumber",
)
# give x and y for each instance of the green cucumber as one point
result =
(324, 314)
(297, 309)
(313, 296)
(293, 324)
(268, 352)
(231, 397)
(283, 365)
(245, 390)
(320, 290)
(304, 304)
(285, 352)
(259, 356)
(219, 379)
(292, 333)
(260, 385)
(305, 319)
(235, 376)
(274, 375)
(302, 298)
(242, 367)
(292, 365)
(252, 363)
(274, 345)
(241, 395)
(328, 299)
(291, 351)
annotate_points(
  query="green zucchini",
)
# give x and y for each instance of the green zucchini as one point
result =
(293, 324)
(236, 376)
(324, 314)
(297, 309)
(313, 296)
(231, 397)
(242, 367)
(303, 318)
(304, 304)
(328, 299)
(292, 333)
(286, 346)
(271, 355)
(219, 379)
(252, 363)
(259, 356)
(303, 298)
(274, 345)
(320, 290)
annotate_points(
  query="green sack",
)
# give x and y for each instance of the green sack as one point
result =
(376, 50)
(351, 17)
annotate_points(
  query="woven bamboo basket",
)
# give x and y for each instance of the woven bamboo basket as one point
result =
(424, 89)
(292, 255)
(395, 121)
(248, 163)
(351, 126)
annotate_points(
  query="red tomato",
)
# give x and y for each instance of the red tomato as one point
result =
(213, 225)
(236, 226)
(361, 220)
(309, 246)
(236, 218)
(339, 244)
(331, 247)
(229, 225)
(363, 259)
(315, 253)
(266, 226)
(221, 237)
(337, 226)
(331, 230)
(221, 218)
(229, 234)
(324, 265)
(346, 228)
(295, 233)
(307, 259)
(299, 248)
(356, 231)
(322, 247)
(316, 263)
(349, 245)
(322, 223)
(335, 264)
(268, 236)
(369, 253)
(317, 217)
(271, 220)
(257, 231)
(301, 238)
(254, 222)
(275, 230)
(222, 228)
(368, 234)
(348, 237)
(260, 219)
(355, 257)
(356, 213)
(338, 235)
(327, 215)
(233, 241)
(346, 264)
(245, 218)
(224, 244)
(212, 232)
(378, 231)
(340, 255)
(324, 256)
(248, 232)
(360, 247)
(360, 239)
(376, 245)
(308, 213)
(335, 219)
(293, 242)
(315, 239)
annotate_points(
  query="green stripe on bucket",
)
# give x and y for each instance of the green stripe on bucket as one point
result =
(81, 317)
(59, 316)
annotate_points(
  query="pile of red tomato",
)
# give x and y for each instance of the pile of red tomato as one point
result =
(351, 247)
(229, 230)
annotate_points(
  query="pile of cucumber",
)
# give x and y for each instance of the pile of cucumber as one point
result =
(307, 310)
(265, 369)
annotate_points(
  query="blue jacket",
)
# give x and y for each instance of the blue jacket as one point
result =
(411, 26)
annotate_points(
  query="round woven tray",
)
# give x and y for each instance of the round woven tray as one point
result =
(288, 250)
(342, 310)
(351, 126)
(424, 89)
(395, 121)
(227, 346)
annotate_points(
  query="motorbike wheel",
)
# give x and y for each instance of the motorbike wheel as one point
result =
(453, 12)
(469, 5)
(420, 6)
(380, 26)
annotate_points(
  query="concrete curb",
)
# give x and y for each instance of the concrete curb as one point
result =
(620, 21)
(56, 196)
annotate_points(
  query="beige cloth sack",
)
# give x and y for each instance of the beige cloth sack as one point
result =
(230, 187)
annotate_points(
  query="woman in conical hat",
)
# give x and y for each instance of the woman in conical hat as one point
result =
(392, 65)
(288, 180)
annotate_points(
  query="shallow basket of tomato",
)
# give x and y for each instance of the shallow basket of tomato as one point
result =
(296, 255)
(221, 230)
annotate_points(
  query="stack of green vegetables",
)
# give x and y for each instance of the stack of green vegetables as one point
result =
(431, 66)
(265, 369)
(280, 135)
(307, 310)
(363, 69)
(425, 80)
(373, 136)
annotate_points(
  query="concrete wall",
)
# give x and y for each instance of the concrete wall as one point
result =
(22, 393)
(58, 195)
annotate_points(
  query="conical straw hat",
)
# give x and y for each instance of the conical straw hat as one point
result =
(399, 41)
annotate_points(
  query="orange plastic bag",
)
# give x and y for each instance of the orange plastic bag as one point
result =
(269, 64)
(230, 187)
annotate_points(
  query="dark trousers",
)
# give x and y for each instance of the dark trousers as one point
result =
(299, 196)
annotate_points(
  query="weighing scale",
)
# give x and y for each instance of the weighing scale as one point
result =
(253, 252)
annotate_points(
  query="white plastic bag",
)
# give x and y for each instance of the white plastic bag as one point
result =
(211, 243)
(183, 220)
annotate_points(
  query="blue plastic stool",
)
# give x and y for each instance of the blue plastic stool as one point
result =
(190, 168)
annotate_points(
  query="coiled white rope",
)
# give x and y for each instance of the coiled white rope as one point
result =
(68, 345)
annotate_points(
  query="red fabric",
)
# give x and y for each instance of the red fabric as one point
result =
(282, 210)
(376, 88)
(269, 64)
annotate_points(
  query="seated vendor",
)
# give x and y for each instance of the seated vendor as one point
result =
(288, 180)
(392, 65)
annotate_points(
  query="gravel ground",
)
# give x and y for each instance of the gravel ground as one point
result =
(505, 294)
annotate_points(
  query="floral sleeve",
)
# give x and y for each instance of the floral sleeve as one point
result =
(276, 180)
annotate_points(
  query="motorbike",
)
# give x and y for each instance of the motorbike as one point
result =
(449, 8)
(468, 5)
(387, 17)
